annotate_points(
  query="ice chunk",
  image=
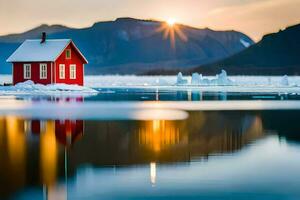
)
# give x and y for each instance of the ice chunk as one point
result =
(196, 79)
(222, 79)
(205, 81)
(181, 80)
(284, 81)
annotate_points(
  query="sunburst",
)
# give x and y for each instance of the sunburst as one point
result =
(172, 30)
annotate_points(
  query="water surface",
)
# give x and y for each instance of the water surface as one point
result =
(163, 153)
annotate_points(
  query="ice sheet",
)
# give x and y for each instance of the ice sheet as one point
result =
(29, 88)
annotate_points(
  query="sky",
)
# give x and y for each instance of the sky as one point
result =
(252, 17)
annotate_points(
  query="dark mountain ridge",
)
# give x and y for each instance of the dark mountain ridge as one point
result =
(132, 46)
(276, 54)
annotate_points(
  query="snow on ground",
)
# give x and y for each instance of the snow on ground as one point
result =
(29, 88)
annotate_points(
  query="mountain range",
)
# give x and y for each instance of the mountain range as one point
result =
(276, 54)
(133, 46)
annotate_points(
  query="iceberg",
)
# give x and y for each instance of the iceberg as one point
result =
(196, 79)
(222, 79)
(181, 80)
(285, 81)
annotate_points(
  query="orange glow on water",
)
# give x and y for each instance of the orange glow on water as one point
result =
(159, 134)
(16, 143)
(48, 154)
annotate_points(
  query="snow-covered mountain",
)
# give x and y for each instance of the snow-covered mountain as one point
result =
(132, 46)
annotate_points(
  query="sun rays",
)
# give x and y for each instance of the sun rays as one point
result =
(172, 30)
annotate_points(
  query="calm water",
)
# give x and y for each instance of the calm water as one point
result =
(208, 155)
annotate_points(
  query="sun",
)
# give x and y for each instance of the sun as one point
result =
(171, 29)
(171, 22)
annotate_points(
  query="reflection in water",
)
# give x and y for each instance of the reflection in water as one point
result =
(136, 94)
(21, 151)
(153, 173)
(35, 153)
(48, 154)
(16, 148)
(158, 134)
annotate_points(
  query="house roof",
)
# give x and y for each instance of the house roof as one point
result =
(35, 51)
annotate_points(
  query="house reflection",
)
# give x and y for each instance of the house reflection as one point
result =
(32, 151)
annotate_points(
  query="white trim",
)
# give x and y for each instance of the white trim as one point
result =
(51, 76)
(13, 76)
(54, 72)
(73, 71)
(62, 71)
(25, 75)
(83, 71)
(43, 71)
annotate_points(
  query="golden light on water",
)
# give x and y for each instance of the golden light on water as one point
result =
(16, 143)
(48, 154)
(171, 30)
(157, 135)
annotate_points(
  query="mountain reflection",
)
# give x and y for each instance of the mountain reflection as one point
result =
(43, 152)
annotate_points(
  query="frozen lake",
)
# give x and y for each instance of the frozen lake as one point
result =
(129, 137)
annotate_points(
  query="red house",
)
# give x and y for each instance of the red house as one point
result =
(48, 61)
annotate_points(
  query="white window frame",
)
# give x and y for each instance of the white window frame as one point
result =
(43, 71)
(27, 71)
(73, 71)
(62, 71)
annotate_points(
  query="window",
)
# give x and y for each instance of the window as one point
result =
(27, 71)
(43, 71)
(72, 71)
(68, 54)
(62, 71)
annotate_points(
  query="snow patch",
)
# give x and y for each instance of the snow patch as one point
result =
(245, 43)
(30, 88)
(34, 50)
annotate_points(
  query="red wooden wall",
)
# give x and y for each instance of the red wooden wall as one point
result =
(18, 73)
(75, 59)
